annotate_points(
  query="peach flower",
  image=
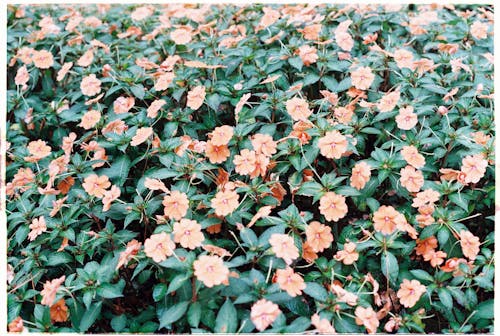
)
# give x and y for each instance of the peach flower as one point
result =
(96, 185)
(90, 119)
(311, 32)
(239, 106)
(131, 250)
(319, 236)
(436, 258)
(406, 119)
(123, 104)
(163, 81)
(403, 58)
(90, 85)
(360, 175)
(308, 55)
(86, 59)
(216, 154)
(284, 247)
(426, 245)
(388, 101)
(470, 244)
(411, 179)
(245, 162)
(49, 290)
(43, 59)
(159, 246)
(362, 78)
(270, 16)
(195, 97)
(290, 281)
(261, 163)
(410, 292)
(480, 138)
(221, 135)
(155, 184)
(16, 326)
(155, 107)
(22, 76)
(428, 196)
(424, 218)
(332, 206)
(59, 311)
(110, 196)
(323, 326)
(348, 255)
(188, 233)
(368, 318)
(344, 40)
(474, 168)
(38, 150)
(386, 220)
(264, 144)
(115, 126)
(38, 226)
(452, 265)
(412, 156)
(343, 114)
(298, 109)
(225, 202)
(182, 35)
(210, 270)
(141, 13)
(141, 135)
(263, 313)
(333, 145)
(344, 296)
(479, 30)
(175, 205)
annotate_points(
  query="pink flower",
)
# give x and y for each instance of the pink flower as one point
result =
(196, 97)
(474, 168)
(188, 233)
(37, 227)
(308, 55)
(159, 246)
(298, 109)
(388, 101)
(362, 78)
(284, 247)
(290, 281)
(411, 179)
(141, 135)
(49, 290)
(210, 270)
(332, 206)
(333, 145)
(406, 119)
(123, 104)
(90, 85)
(264, 313)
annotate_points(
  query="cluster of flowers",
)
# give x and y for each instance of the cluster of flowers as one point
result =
(181, 108)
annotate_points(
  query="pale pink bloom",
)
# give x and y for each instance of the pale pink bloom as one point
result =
(412, 156)
(411, 179)
(188, 233)
(210, 270)
(284, 247)
(225, 202)
(410, 292)
(244, 163)
(290, 281)
(333, 145)
(388, 101)
(37, 227)
(22, 76)
(110, 196)
(403, 58)
(474, 168)
(239, 106)
(90, 119)
(49, 290)
(362, 78)
(63, 71)
(141, 135)
(86, 59)
(406, 119)
(155, 184)
(182, 35)
(159, 246)
(332, 206)
(264, 144)
(308, 55)
(428, 196)
(132, 249)
(90, 85)
(323, 326)
(470, 244)
(221, 135)
(123, 104)
(43, 59)
(116, 126)
(360, 175)
(164, 81)
(141, 13)
(263, 313)
(479, 30)
(175, 205)
(344, 40)
(348, 255)
(155, 107)
(298, 109)
(344, 296)
(196, 97)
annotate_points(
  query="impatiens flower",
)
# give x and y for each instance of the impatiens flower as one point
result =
(239, 106)
(362, 78)
(479, 30)
(86, 58)
(348, 255)
(37, 227)
(225, 202)
(90, 85)
(412, 156)
(319, 236)
(386, 220)
(216, 154)
(264, 144)
(298, 109)
(284, 247)
(308, 55)
(311, 32)
(141, 13)
(22, 76)
(164, 81)
(406, 119)
(96, 185)
(43, 59)
(141, 136)
(388, 101)
(410, 292)
(155, 107)
(332, 206)
(196, 97)
(110, 196)
(38, 150)
(176, 205)
(474, 168)
(159, 246)
(360, 175)
(333, 145)
(131, 250)
(49, 290)
(155, 184)
(188, 233)
(453, 265)
(343, 114)
(426, 245)
(182, 35)
(344, 40)
(16, 326)
(344, 296)
(270, 16)
(221, 135)
(123, 104)
(411, 179)
(470, 244)
(403, 58)
(244, 163)
(323, 326)
(59, 311)
(210, 270)
(115, 126)
(307, 252)
(264, 313)
(428, 196)
(436, 258)
(261, 163)
(424, 218)
(480, 138)
(90, 119)
(290, 281)
(368, 318)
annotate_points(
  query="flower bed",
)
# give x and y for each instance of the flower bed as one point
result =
(220, 168)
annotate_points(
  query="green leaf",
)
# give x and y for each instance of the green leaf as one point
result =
(138, 91)
(90, 316)
(485, 310)
(119, 170)
(172, 314)
(296, 62)
(194, 314)
(159, 291)
(309, 188)
(389, 265)
(316, 291)
(347, 191)
(118, 323)
(178, 281)
(111, 291)
(445, 297)
(422, 275)
(227, 319)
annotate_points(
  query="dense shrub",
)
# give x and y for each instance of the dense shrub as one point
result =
(203, 168)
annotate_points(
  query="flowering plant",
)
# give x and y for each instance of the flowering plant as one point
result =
(278, 168)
